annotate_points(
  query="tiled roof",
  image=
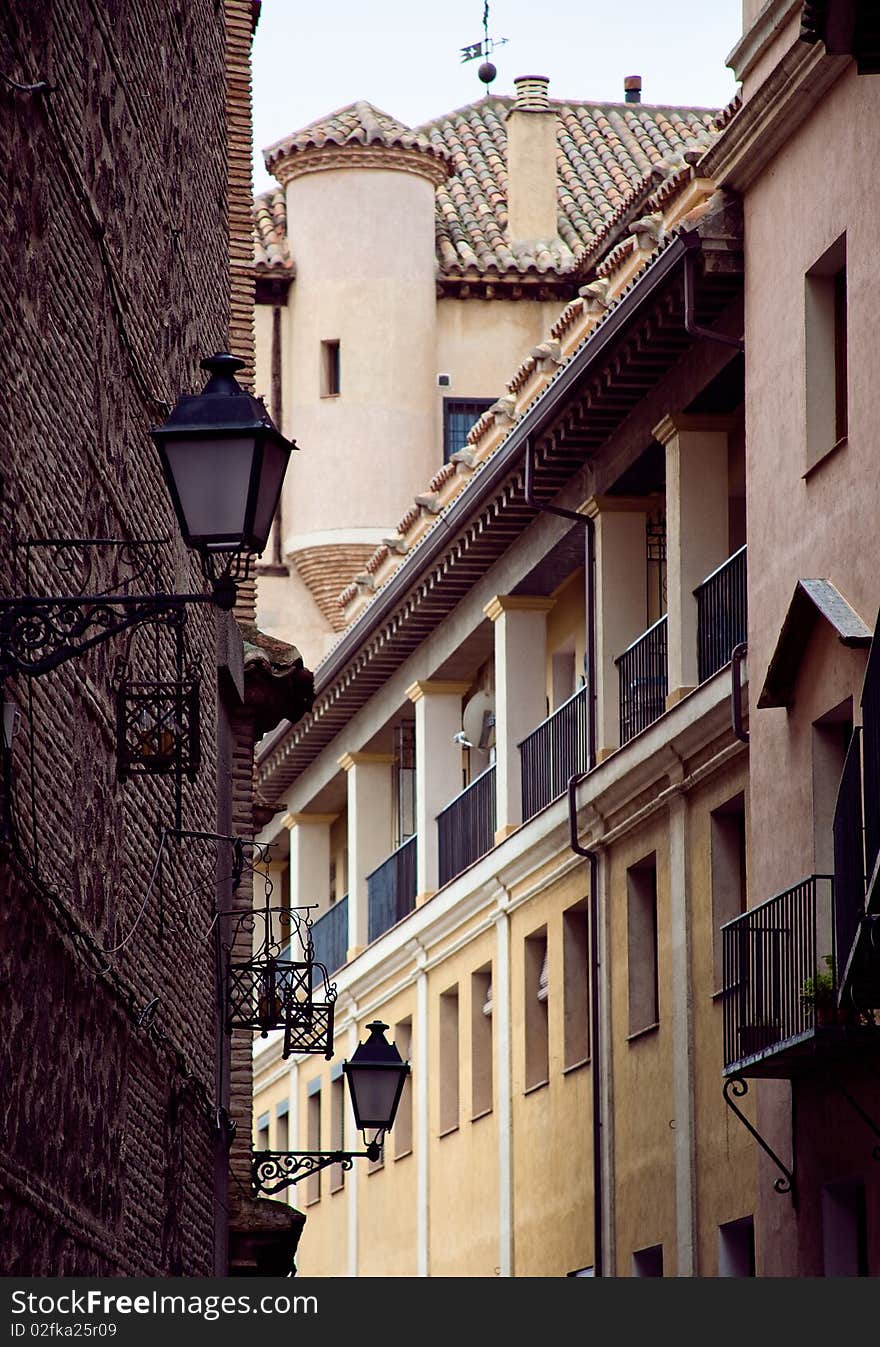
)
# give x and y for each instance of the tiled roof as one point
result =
(358, 124)
(604, 152)
(271, 248)
(607, 153)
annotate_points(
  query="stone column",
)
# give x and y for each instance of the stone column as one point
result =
(310, 861)
(520, 693)
(369, 834)
(696, 530)
(438, 770)
(621, 601)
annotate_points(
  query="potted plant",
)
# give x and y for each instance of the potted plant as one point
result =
(818, 994)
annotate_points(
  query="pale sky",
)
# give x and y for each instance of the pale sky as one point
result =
(405, 57)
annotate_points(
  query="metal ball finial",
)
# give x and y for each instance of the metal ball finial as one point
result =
(487, 72)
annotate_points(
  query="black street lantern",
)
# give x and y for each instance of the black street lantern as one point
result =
(376, 1076)
(224, 462)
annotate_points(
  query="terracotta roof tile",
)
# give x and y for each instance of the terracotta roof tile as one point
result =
(271, 247)
(359, 123)
(607, 154)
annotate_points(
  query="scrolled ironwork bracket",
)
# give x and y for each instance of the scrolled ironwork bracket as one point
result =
(738, 1086)
(38, 635)
(273, 1170)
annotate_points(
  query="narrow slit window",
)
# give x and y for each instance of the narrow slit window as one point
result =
(403, 1123)
(576, 985)
(728, 852)
(313, 1124)
(536, 989)
(449, 1077)
(330, 369)
(825, 334)
(641, 883)
(481, 1042)
(337, 1130)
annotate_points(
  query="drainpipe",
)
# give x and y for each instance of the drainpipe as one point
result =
(590, 856)
(737, 655)
(693, 243)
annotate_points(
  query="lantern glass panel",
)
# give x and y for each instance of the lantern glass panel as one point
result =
(374, 1093)
(275, 456)
(211, 478)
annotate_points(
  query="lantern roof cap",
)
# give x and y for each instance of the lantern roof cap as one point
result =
(222, 404)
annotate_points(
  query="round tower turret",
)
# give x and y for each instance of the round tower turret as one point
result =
(361, 339)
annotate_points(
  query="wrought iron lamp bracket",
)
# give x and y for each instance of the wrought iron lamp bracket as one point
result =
(738, 1086)
(40, 633)
(274, 1170)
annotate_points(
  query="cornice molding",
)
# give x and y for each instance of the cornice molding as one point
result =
(517, 603)
(770, 116)
(393, 158)
(436, 687)
(302, 820)
(764, 31)
(349, 760)
(670, 426)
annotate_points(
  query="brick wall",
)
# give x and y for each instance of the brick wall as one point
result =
(114, 284)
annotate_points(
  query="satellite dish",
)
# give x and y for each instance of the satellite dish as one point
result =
(478, 721)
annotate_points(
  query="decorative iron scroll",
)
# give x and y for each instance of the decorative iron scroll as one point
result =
(273, 1170)
(38, 635)
(736, 1085)
(88, 590)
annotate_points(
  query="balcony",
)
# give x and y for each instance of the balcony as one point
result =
(721, 614)
(391, 890)
(466, 827)
(557, 750)
(330, 936)
(774, 956)
(642, 671)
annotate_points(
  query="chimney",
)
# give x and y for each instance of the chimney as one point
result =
(531, 163)
(632, 89)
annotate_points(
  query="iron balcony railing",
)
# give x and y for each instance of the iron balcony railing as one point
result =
(330, 936)
(642, 671)
(871, 757)
(391, 890)
(553, 753)
(849, 857)
(466, 826)
(721, 614)
(773, 957)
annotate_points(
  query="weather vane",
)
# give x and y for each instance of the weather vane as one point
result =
(487, 70)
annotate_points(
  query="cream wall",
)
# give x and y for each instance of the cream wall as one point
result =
(363, 241)
(480, 344)
(724, 1191)
(552, 1124)
(643, 1140)
(288, 611)
(263, 322)
(566, 629)
(463, 1194)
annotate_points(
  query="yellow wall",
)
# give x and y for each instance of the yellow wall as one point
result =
(552, 1124)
